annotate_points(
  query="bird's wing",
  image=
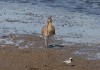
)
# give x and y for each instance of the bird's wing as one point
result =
(53, 29)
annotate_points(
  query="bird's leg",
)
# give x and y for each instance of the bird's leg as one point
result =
(46, 42)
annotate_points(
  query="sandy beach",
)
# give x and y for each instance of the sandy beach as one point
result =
(12, 58)
(35, 57)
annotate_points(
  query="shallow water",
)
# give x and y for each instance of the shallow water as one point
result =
(73, 27)
(92, 53)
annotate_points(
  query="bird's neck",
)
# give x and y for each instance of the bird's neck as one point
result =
(50, 24)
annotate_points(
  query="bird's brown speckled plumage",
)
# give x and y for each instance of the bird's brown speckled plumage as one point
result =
(48, 30)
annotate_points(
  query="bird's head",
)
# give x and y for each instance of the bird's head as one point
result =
(70, 58)
(49, 19)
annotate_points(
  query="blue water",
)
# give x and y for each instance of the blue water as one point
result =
(84, 6)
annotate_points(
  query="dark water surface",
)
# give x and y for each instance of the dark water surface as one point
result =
(87, 6)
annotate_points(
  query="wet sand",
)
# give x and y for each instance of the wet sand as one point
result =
(12, 58)
(37, 58)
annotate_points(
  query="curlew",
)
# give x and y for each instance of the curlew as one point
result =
(48, 30)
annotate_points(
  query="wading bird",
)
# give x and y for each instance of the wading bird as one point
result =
(69, 61)
(48, 30)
